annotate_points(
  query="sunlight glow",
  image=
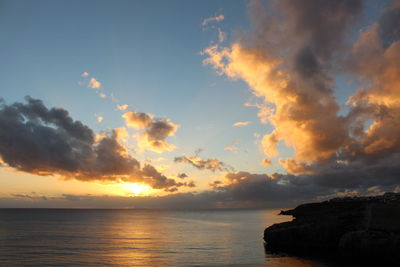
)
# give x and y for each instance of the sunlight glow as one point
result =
(137, 189)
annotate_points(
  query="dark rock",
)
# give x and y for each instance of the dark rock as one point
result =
(358, 228)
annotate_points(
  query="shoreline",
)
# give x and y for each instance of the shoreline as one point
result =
(361, 229)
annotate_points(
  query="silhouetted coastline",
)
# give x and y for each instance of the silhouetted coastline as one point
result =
(363, 230)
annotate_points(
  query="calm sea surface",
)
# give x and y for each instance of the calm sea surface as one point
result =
(40, 237)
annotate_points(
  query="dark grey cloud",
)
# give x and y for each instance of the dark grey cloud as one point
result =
(389, 24)
(182, 175)
(211, 164)
(329, 180)
(246, 190)
(31, 196)
(320, 24)
(285, 190)
(157, 180)
(45, 141)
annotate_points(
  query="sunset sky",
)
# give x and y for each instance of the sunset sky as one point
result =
(160, 104)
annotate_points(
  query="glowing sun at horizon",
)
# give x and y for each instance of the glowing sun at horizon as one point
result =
(137, 189)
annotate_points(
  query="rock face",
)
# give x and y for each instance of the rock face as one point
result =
(356, 228)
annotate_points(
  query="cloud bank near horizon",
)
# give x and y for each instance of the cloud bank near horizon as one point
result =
(44, 141)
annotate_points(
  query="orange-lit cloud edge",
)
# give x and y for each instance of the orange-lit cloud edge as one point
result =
(333, 154)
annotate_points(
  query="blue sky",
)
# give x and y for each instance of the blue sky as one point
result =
(148, 55)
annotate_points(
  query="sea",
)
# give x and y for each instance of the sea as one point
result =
(101, 237)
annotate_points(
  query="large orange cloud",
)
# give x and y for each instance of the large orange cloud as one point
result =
(304, 116)
(290, 60)
(377, 65)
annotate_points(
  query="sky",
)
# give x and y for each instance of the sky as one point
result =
(197, 104)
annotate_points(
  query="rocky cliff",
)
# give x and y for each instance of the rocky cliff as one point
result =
(357, 228)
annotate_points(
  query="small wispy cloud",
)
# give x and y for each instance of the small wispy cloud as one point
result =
(241, 123)
(266, 162)
(159, 159)
(232, 146)
(153, 131)
(102, 95)
(265, 111)
(221, 36)
(211, 164)
(212, 19)
(85, 74)
(182, 175)
(122, 107)
(95, 84)
(113, 98)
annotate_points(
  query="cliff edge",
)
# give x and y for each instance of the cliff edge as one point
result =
(356, 228)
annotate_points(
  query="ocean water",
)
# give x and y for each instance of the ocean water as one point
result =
(68, 237)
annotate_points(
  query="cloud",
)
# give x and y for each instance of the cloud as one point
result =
(257, 190)
(211, 164)
(266, 162)
(230, 147)
(121, 134)
(42, 141)
(241, 123)
(245, 189)
(295, 167)
(182, 175)
(216, 185)
(138, 120)
(264, 111)
(221, 36)
(288, 62)
(93, 83)
(113, 98)
(213, 19)
(153, 131)
(158, 181)
(159, 159)
(122, 107)
(379, 101)
(100, 118)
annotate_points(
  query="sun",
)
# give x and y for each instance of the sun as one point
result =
(137, 189)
